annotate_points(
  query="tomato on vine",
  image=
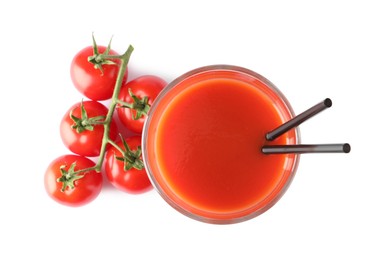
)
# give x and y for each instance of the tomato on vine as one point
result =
(140, 94)
(82, 128)
(93, 75)
(124, 167)
(67, 186)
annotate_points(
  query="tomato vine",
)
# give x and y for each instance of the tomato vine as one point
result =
(99, 59)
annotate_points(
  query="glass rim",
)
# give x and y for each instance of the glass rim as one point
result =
(145, 154)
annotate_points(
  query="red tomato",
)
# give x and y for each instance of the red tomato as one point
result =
(134, 179)
(90, 81)
(146, 89)
(86, 141)
(86, 188)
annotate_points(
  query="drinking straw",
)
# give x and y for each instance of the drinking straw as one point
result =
(306, 148)
(326, 103)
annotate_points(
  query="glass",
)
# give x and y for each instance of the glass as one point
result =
(233, 192)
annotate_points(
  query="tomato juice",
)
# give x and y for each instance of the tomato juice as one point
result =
(202, 144)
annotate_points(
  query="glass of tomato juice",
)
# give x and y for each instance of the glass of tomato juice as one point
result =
(202, 144)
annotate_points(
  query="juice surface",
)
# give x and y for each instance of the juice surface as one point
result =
(208, 141)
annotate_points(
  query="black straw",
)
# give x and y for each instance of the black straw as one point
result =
(326, 103)
(306, 148)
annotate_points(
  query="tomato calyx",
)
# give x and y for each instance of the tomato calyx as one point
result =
(130, 158)
(69, 176)
(85, 123)
(140, 106)
(98, 59)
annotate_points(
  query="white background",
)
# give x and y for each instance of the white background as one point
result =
(337, 206)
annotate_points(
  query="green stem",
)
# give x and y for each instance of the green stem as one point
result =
(122, 103)
(125, 58)
(99, 122)
(116, 146)
(106, 57)
(94, 168)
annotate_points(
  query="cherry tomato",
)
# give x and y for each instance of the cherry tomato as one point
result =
(79, 132)
(92, 82)
(134, 179)
(87, 185)
(144, 90)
